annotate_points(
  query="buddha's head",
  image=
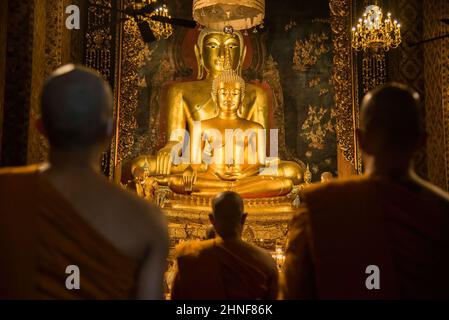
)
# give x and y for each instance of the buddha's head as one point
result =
(214, 47)
(228, 90)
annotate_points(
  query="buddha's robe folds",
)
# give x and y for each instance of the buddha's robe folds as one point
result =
(217, 270)
(41, 234)
(345, 226)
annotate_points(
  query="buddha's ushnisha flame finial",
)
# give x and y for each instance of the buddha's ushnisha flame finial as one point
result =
(228, 61)
(228, 75)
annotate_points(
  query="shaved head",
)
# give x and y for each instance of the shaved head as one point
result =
(390, 120)
(76, 108)
(228, 216)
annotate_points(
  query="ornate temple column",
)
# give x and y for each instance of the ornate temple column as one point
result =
(54, 45)
(20, 20)
(36, 42)
(436, 73)
(348, 156)
(36, 143)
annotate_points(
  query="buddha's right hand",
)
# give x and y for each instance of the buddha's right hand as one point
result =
(164, 158)
(189, 178)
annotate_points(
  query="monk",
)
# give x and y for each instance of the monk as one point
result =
(384, 235)
(66, 232)
(225, 267)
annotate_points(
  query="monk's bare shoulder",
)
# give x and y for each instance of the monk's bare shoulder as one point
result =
(263, 258)
(338, 186)
(138, 215)
(438, 194)
(193, 248)
(19, 170)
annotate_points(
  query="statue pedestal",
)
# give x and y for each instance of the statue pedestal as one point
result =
(188, 215)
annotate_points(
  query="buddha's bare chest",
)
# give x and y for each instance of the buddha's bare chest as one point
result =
(201, 105)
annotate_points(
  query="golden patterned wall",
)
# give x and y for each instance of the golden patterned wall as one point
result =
(436, 73)
(406, 63)
(53, 45)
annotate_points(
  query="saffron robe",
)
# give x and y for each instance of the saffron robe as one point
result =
(345, 226)
(216, 269)
(41, 235)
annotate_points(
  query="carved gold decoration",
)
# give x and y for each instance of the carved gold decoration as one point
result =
(346, 116)
(374, 70)
(133, 55)
(99, 53)
(99, 38)
(267, 222)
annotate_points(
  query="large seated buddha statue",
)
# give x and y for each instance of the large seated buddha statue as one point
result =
(191, 102)
(228, 151)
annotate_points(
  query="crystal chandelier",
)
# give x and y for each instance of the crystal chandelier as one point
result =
(160, 30)
(374, 32)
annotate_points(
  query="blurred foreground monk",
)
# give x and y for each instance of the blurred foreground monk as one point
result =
(225, 267)
(67, 213)
(381, 236)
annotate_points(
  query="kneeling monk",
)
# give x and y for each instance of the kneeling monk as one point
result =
(225, 267)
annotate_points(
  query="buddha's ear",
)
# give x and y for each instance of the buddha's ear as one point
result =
(199, 62)
(242, 59)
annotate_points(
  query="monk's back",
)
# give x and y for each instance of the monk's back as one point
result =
(233, 270)
(53, 231)
(373, 218)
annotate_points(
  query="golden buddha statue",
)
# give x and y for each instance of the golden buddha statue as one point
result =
(228, 151)
(190, 102)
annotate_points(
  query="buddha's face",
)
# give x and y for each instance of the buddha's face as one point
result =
(229, 96)
(215, 48)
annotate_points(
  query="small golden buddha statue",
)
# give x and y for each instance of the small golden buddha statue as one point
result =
(326, 176)
(234, 148)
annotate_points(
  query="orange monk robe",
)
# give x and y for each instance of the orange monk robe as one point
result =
(41, 234)
(217, 270)
(345, 226)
